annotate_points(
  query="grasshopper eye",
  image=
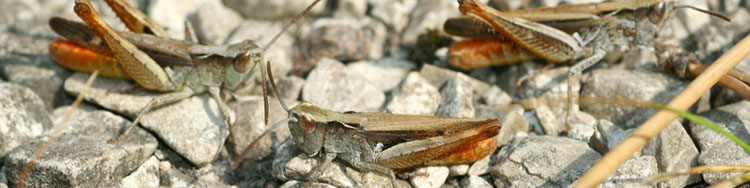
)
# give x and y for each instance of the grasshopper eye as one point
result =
(658, 12)
(307, 125)
(242, 61)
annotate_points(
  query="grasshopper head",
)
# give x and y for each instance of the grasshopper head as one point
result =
(243, 66)
(306, 132)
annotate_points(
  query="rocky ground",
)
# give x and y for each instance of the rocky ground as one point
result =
(352, 55)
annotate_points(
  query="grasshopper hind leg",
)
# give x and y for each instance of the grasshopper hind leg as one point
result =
(138, 65)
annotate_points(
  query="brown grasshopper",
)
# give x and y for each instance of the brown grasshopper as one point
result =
(181, 68)
(596, 29)
(543, 33)
(384, 142)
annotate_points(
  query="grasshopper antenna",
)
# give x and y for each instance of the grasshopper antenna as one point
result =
(275, 89)
(26, 171)
(715, 14)
(244, 152)
(290, 23)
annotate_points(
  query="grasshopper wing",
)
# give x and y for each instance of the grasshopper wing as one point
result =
(164, 51)
(389, 128)
(456, 148)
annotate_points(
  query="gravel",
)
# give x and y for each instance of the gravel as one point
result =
(355, 56)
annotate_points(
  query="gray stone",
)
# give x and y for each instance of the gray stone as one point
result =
(512, 123)
(2, 185)
(551, 84)
(385, 74)
(26, 32)
(509, 77)
(458, 170)
(394, 13)
(272, 9)
(350, 9)
(290, 164)
(172, 16)
(676, 28)
(331, 87)
(676, 151)
(636, 85)
(549, 121)
(262, 32)
(39, 73)
(582, 126)
(290, 87)
(94, 163)
(434, 177)
(439, 76)
(717, 149)
(213, 22)
(457, 98)
(58, 114)
(486, 111)
(3, 178)
(250, 125)
(541, 161)
(175, 178)
(343, 39)
(193, 127)
(295, 184)
(298, 168)
(475, 182)
(373, 179)
(613, 134)
(428, 15)
(495, 97)
(579, 1)
(147, 175)
(480, 167)
(284, 153)
(694, 20)
(414, 95)
(633, 169)
(23, 116)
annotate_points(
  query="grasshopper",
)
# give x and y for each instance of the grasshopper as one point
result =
(543, 33)
(384, 142)
(180, 68)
